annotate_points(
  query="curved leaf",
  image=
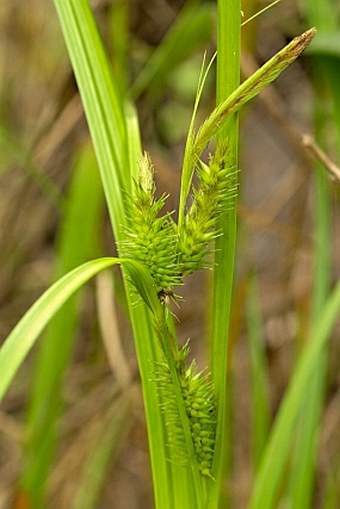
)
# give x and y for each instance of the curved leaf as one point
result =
(26, 332)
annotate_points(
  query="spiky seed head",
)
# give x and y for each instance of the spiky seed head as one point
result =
(215, 189)
(200, 405)
(151, 238)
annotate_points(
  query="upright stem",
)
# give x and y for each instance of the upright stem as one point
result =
(228, 76)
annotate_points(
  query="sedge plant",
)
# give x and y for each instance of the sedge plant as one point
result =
(184, 406)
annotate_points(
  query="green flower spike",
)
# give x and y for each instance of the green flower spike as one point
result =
(200, 405)
(151, 239)
(215, 191)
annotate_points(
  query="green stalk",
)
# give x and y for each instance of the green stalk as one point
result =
(260, 415)
(228, 76)
(188, 165)
(170, 349)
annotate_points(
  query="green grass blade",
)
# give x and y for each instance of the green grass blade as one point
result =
(24, 335)
(101, 101)
(271, 470)
(26, 332)
(228, 78)
(76, 243)
(104, 111)
(188, 168)
(258, 374)
(191, 29)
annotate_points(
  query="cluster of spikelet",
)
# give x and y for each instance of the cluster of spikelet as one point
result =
(200, 406)
(155, 241)
(151, 239)
(171, 252)
(216, 186)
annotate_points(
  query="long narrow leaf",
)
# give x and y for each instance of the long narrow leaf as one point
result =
(228, 78)
(269, 478)
(104, 111)
(24, 335)
(258, 373)
(101, 100)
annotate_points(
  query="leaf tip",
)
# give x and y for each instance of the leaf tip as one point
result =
(301, 42)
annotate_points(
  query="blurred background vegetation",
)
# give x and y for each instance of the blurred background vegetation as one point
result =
(69, 435)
